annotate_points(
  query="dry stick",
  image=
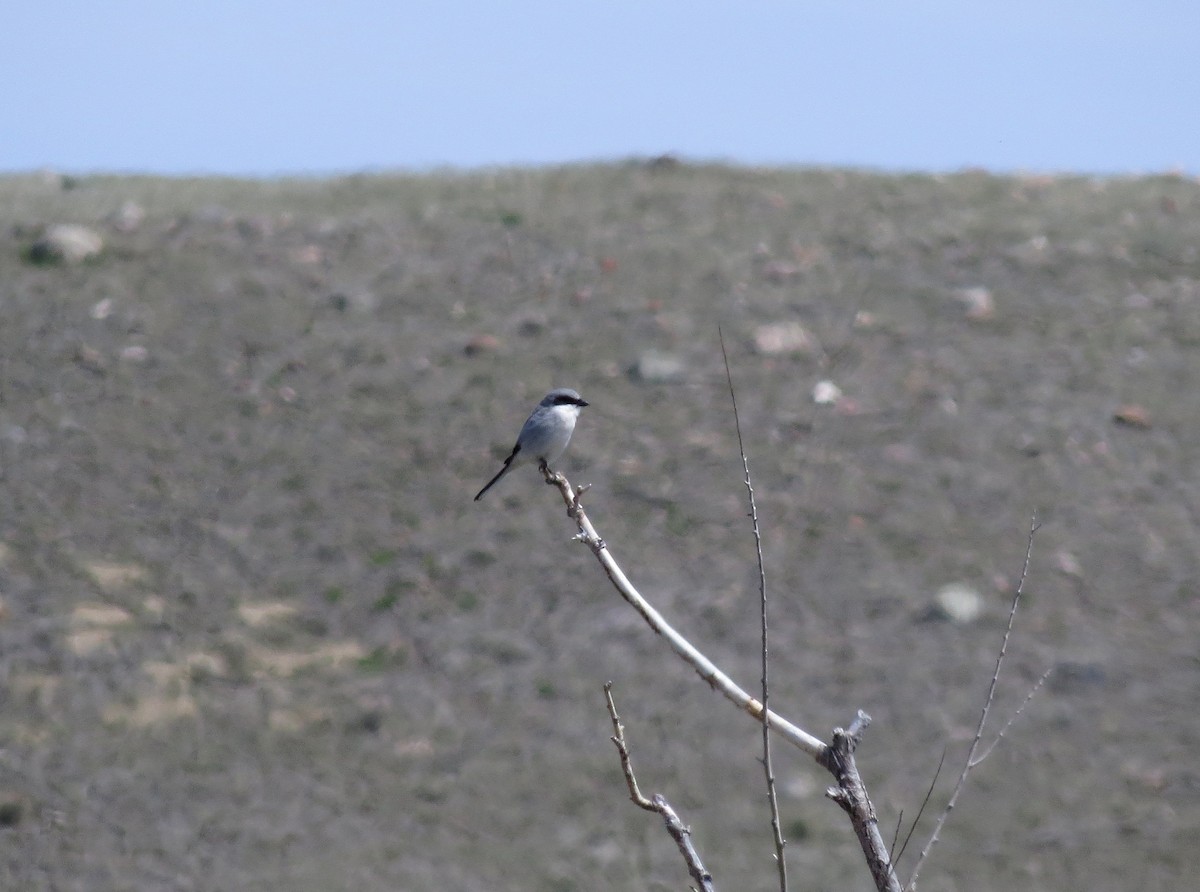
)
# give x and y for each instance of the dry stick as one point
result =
(851, 794)
(837, 758)
(768, 768)
(703, 666)
(680, 833)
(1020, 709)
(970, 762)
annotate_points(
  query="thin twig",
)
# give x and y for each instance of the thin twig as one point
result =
(1020, 709)
(618, 738)
(924, 804)
(970, 761)
(657, 803)
(768, 768)
(896, 835)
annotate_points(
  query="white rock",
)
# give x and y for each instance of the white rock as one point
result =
(783, 337)
(978, 301)
(128, 217)
(959, 602)
(67, 242)
(659, 368)
(826, 393)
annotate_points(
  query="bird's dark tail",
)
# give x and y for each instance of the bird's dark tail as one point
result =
(504, 470)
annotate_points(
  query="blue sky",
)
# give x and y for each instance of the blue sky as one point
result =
(265, 88)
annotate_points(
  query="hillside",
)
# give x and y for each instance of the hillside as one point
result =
(255, 634)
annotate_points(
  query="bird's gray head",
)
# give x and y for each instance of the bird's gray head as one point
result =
(563, 396)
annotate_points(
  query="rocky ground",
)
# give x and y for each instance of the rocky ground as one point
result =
(255, 634)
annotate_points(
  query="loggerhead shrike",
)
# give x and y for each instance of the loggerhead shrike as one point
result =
(546, 432)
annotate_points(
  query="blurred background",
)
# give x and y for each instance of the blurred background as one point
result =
(266, 88)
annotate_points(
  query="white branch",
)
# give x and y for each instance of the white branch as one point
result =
(704, 667)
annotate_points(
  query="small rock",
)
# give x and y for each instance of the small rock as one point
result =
(865, 320)
(1032, 252)
(826, 393)
(12, 808)
(485, 343)
(128, 217)
(257, 614)
(135, 353)
(784, 337)
(154, 608)
(978, 301)
(97, 615)
(90, 358)
(114, 576)
(1068, 564)
(66, 243)
(1132, 415)
(654, 367)
(103, 309)
(369, 721)
(308, 255)
(531, 326)
(959, 603)
(778, 272)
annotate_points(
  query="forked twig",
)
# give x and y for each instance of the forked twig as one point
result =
(971, 761)
(1037, 685)
(768, 768)
(657, 803)
(851, 794)
(704, 667)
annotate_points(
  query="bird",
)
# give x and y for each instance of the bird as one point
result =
(545, 434)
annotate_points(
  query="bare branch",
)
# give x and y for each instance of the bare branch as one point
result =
(837, 758)
(971, 761)
(1037, 685)
(618, 738)
(768, 768)
(851, 794)
(679, 832)
(704, 667)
